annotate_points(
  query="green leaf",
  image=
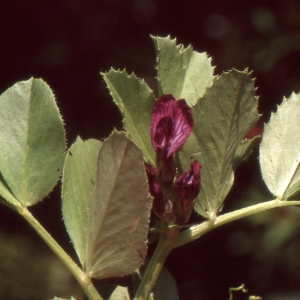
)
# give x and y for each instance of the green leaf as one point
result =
(32, 141)
(135, 100)
(78, 181)
(120, 293)
(244, 150)
(120, 210)
(279, 149)
(106, 205)
(222, 119)
(182, 72)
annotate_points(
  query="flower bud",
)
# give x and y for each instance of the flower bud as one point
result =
(162, 207)
(187, 187)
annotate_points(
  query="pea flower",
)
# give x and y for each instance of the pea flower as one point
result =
(172, 124)
(187, 187)
(163, 207)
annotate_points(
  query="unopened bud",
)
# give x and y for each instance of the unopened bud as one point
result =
(187, 187)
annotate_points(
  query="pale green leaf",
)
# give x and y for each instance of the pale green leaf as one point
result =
(222, 119)
(135, 100)
(182, 72)
(78, 181)
(120, 293)
(119, 211)
(32, 140)
(280, 149)
(244, 150)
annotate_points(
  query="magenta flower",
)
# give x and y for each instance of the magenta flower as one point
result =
(172, 124)
(187, 187)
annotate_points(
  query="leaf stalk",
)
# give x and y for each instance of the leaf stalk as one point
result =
(83, 279)
(196, 231)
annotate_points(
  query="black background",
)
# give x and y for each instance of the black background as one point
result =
(67, 43)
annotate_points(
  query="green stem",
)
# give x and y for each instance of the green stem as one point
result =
(167, 241)
(199, 230)
(172, 240)
(81, 277)
(163, 248)
(8, 204)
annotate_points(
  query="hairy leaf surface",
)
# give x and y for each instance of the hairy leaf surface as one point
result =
(280, 149)
(222, 118)
(182, 72)
(32, 141)
(78, 182)
(119, 211)
(135, 100)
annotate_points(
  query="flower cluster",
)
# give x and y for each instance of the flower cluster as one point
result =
(174, 196)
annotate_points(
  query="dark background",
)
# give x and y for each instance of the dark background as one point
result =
(67, 43)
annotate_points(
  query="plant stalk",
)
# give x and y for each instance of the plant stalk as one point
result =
(81, 277)
(163, 248)
(199, 230)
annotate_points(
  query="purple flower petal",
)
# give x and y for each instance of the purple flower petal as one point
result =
(172, 124)
(183, 125)
(187, 187)
(164, 133)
